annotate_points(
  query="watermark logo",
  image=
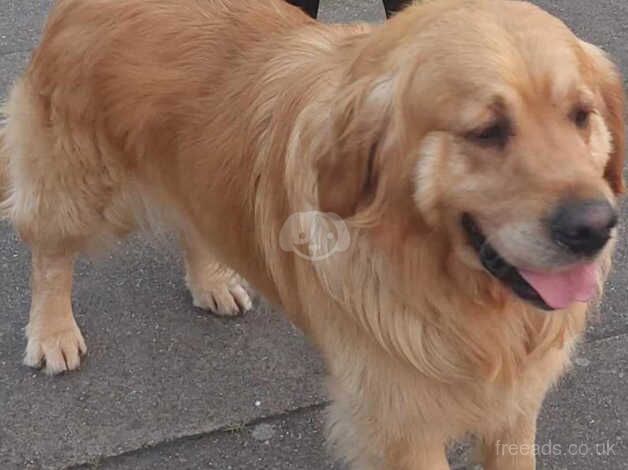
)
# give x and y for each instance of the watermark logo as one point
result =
(549, 448)
(314, 235)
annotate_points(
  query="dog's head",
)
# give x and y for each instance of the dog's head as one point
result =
(491, 124)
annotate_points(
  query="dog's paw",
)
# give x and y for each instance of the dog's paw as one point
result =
(225, 299)
(57, 352)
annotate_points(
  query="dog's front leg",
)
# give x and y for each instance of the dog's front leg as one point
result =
(425, 455)
(405, 456)
(213, 285)
(377, 442)
(513, 449)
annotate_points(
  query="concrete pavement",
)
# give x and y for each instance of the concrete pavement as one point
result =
(168, 386)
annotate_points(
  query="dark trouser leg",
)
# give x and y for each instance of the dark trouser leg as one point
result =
(309, 6)
(393, 6)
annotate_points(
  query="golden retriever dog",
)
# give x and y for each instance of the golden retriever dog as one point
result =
(432, 200)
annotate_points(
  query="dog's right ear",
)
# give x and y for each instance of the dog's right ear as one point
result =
(610, 84)
(348, 173)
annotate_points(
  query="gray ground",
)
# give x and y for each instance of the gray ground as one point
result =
(167, 386)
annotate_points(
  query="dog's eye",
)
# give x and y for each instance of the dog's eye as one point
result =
(580, 116)
(496, 134)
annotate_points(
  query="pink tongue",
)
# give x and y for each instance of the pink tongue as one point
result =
(561, 289)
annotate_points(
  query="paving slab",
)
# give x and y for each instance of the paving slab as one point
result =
(351, 11)
(584, 424)
(582, 427)
(157, 369)
(293, 442)
(10, 64)
(20, 24)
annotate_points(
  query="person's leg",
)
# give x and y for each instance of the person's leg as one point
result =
(393, 6)
(309, 6)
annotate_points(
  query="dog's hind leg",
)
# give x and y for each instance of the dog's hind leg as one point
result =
(54, 338)
(213, 285)
(61, 190)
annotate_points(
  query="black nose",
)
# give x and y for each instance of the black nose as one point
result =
(583, 227)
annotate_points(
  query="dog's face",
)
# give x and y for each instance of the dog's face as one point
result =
(507, 133)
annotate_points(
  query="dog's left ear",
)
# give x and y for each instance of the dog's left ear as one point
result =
(609, 82)
(348, 173)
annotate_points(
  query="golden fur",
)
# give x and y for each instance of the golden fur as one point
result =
(223, 118)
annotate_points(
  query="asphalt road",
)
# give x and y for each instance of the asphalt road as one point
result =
(167, 386)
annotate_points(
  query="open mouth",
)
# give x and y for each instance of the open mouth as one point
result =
(500, 268)
(547, 291)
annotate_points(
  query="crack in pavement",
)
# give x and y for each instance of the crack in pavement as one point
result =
(233, 428)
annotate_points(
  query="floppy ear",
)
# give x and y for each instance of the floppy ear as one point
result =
(611, 89)
(347, 172)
